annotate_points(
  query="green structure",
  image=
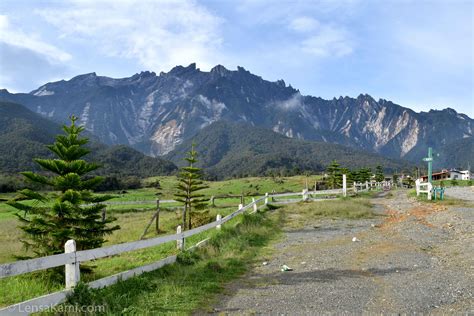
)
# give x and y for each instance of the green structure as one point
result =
(429, 159)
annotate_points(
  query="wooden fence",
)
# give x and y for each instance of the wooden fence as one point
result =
(424, 187)
(71, 258)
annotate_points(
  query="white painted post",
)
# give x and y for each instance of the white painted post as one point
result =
(179, 241)
(417, 185)
(266, 198)
(255, 208)
(430, 190)
(355, 187)
(367, 185)
(344, 185)
(240, 206)
(305, 194)
(218, 219)
(73, 274)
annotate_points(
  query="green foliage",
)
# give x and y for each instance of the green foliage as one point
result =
(24, 134)
(363, 175)
(74, 212)
(395, 178)
(223, 150)
(189, 183)
(454, 182)
(334, 175)
(379, 175)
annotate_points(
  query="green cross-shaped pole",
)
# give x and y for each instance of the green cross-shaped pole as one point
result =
(429, 159)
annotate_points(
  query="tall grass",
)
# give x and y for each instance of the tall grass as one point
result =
(189, 284)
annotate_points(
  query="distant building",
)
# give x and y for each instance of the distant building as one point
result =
(460, 174)
(442, 175)
(450, 175)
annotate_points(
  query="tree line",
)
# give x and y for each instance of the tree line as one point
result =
(334, 172)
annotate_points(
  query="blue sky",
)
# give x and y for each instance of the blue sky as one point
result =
(418, 54)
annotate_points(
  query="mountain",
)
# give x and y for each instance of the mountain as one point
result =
(457, 154)
(238, 149)
(155, 113)
(24, 134)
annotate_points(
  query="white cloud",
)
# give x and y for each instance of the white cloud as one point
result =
(304, 24)
(12, 35)
(159, 34)
(328, 41)
(293, 103)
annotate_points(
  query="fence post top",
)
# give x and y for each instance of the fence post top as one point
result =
(70, 245)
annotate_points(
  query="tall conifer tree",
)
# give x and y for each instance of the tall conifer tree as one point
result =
(334, 175)
(72, 211)
(189, 182)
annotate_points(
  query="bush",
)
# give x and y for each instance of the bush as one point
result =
(454, 182)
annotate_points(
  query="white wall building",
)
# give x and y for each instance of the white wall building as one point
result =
(460, 174)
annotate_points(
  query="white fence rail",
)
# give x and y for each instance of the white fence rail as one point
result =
(424, 187)
(71, 259)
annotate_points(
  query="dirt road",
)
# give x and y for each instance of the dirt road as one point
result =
(416, 258)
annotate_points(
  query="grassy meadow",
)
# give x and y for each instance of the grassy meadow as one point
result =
(245, 237)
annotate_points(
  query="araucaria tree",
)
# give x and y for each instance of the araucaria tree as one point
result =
(334, 175)
(72, 211)
(379, 176)
(189, 183)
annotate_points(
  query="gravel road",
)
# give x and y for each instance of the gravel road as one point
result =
(463, 193)
(417, 258)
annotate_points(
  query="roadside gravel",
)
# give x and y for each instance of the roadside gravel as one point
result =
(415, 258)
(462, 193)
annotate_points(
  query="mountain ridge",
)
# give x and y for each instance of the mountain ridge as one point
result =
(24, 136)
(155, 113)
(224, 153)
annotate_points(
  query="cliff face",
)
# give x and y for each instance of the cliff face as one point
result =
(155, 113)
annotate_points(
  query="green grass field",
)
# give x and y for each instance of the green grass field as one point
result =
(193, 282)
(246, 186)
(133, 222)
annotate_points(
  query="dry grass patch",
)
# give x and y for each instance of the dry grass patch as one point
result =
(299, 215)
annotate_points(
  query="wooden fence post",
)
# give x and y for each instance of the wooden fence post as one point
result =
(73, 274)
(212, 201)
(344, 185)
(218, 219)
(157, 223)
(367, 185)
(305, 194)
(179, 241)
(266, 198)
(240, 206)
(255, 208)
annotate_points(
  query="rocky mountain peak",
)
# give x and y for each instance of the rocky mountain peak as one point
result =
(220, 70)
(156, 113)
(180, 70)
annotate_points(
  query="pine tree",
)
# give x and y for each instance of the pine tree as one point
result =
(348, 173)
(189, 182)
(73, 211)
(365, 174)
(379, 175)
(334, 175)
